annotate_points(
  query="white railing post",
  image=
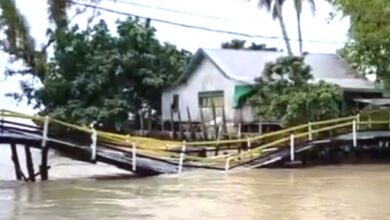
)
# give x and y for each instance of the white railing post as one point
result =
(292, 147)
(358, 122)
(94, 141)
(133, 153)
(248, 143)
(134, 157)
(310, 131)
(45, 131)
(227, 164)
(369, 120)
(354, 135)
(182, 155)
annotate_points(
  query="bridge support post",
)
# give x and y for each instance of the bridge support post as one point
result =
(15, 160)
(182, 155)
(43, 168)
(134, 157)
(310, 131)
(94, 142)
(292, 147)
(354, 135)
(29, 164)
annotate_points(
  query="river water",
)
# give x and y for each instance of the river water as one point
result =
(75, 192)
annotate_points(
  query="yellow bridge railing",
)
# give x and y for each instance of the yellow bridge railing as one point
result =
(257, 146)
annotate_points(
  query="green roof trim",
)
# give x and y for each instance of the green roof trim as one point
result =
(241, 94)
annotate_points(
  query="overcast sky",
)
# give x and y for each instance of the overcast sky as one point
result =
(230, 15)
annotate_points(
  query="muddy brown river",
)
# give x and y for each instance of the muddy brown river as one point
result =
(78, 191)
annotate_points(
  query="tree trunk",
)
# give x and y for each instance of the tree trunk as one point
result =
(283, 27)
(299, 32)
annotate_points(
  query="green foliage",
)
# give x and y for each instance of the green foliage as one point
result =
(93, 74)
(240, 45)
(369, 47)
(284, 92)
(57, 12)
(97, 76)
(18, 43)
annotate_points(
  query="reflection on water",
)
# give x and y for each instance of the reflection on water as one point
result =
(346, 192)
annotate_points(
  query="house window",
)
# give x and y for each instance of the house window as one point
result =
(175, 103)
(206, 99)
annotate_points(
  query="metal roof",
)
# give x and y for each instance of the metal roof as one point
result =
(375, 102)
(246, 65)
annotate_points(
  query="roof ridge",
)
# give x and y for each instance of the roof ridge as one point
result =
(266, 51)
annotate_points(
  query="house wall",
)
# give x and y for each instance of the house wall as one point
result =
(207, 77)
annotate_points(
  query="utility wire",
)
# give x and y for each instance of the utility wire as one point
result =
(196, 27)
(174, 11)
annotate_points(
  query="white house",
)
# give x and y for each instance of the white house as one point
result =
(222, 76)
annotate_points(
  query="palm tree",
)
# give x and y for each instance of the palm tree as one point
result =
(20, 44)
(298, 10)
(275, 7)
(57, 12)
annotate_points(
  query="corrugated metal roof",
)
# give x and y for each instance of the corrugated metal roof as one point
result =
(375, 102)
(246, 65)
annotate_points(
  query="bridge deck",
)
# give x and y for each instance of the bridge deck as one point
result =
(160, 156)
(284, 152)
(118, 157)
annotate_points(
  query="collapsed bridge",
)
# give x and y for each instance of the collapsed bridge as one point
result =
(148, 156)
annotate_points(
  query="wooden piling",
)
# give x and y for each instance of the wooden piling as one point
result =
(162, 127)
(260, 131)
(149, 121)
(204, 129)
(29, 163)
(192, 134)
(215, 120)
(239, 131)
(180, 124)
(44, 168)
(15, 160)
(224, 130)
(141, 121)
(173, 125)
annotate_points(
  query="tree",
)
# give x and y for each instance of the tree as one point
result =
(298, 10)
(93, 75)
(240, 45)
(275, 7)
(234, 44)
(284, 92)
(368, 49)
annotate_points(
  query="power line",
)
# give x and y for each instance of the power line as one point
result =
(196, 27)
(173, 10)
